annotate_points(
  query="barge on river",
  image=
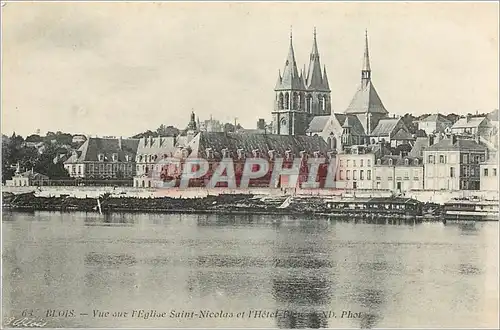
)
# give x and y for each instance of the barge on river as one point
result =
(471, 209)
(376, 207)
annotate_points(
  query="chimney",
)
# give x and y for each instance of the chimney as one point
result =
(453, 139)
(120, 143)
(430, 139)
(468, 117)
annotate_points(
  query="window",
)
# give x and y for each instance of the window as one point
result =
(369, 175)
(465, 159)
(485, 172)
(348, 175)
(472, 171)
(348, 163)
(369, 162)
(354, 175)
(389, 178)
(431, 159)
(494, 172)
(341, 175)
(452, 172)
(407, 176)
(115, 157)
(341, 163)
(361, 175)
(354, 163)
(101, 157)
(361, 163)
(441, 159)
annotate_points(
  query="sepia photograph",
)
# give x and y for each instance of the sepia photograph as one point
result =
(273, 165)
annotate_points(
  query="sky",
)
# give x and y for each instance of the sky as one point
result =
(123, 68)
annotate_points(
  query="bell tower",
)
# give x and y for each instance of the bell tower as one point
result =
(289, 117)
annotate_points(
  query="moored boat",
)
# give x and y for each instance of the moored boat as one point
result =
(471, 209)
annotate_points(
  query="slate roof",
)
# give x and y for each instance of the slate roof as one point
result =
(385, 127)
(317, 124)
(418, 147)
(471, 123)
(34, 175)
(353, 121)
(398, 161)
(91, 148)
(218, 141)
(156, 146)
(366, 100)
(402, 135)
(493, 115)
(459, 145)
(437, 117)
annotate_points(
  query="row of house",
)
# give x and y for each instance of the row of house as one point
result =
(433, 163)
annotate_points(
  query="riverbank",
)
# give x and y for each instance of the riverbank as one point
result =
(424, 196)
(333, 207)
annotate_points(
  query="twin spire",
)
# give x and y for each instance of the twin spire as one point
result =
(315, 79)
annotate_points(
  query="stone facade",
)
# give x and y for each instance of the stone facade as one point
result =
(453, 164)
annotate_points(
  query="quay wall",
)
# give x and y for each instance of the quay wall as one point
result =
(435, 196)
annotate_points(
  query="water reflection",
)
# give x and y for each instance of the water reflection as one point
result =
(304, 288)
(393, 274)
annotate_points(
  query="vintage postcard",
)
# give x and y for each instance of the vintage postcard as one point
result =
(250, 164)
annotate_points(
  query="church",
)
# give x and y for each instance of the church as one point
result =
(303, 106)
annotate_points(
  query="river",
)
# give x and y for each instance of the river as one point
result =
(246, 271)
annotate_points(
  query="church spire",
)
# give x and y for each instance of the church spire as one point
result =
(366, 70)
(326, 85)
(290, 78)
(314, 78)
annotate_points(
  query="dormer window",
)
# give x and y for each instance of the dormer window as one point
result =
(415, 162)
(209, 152)
(240, 153)
(390, 162)
(407, 161)
(379, 161)
(100, 157)
(115, 157)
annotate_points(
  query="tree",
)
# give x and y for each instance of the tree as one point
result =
(34, 138)
(229, 128)
(452, 117)
(167, 130)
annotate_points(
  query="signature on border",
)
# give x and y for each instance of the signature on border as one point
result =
(25, 322)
